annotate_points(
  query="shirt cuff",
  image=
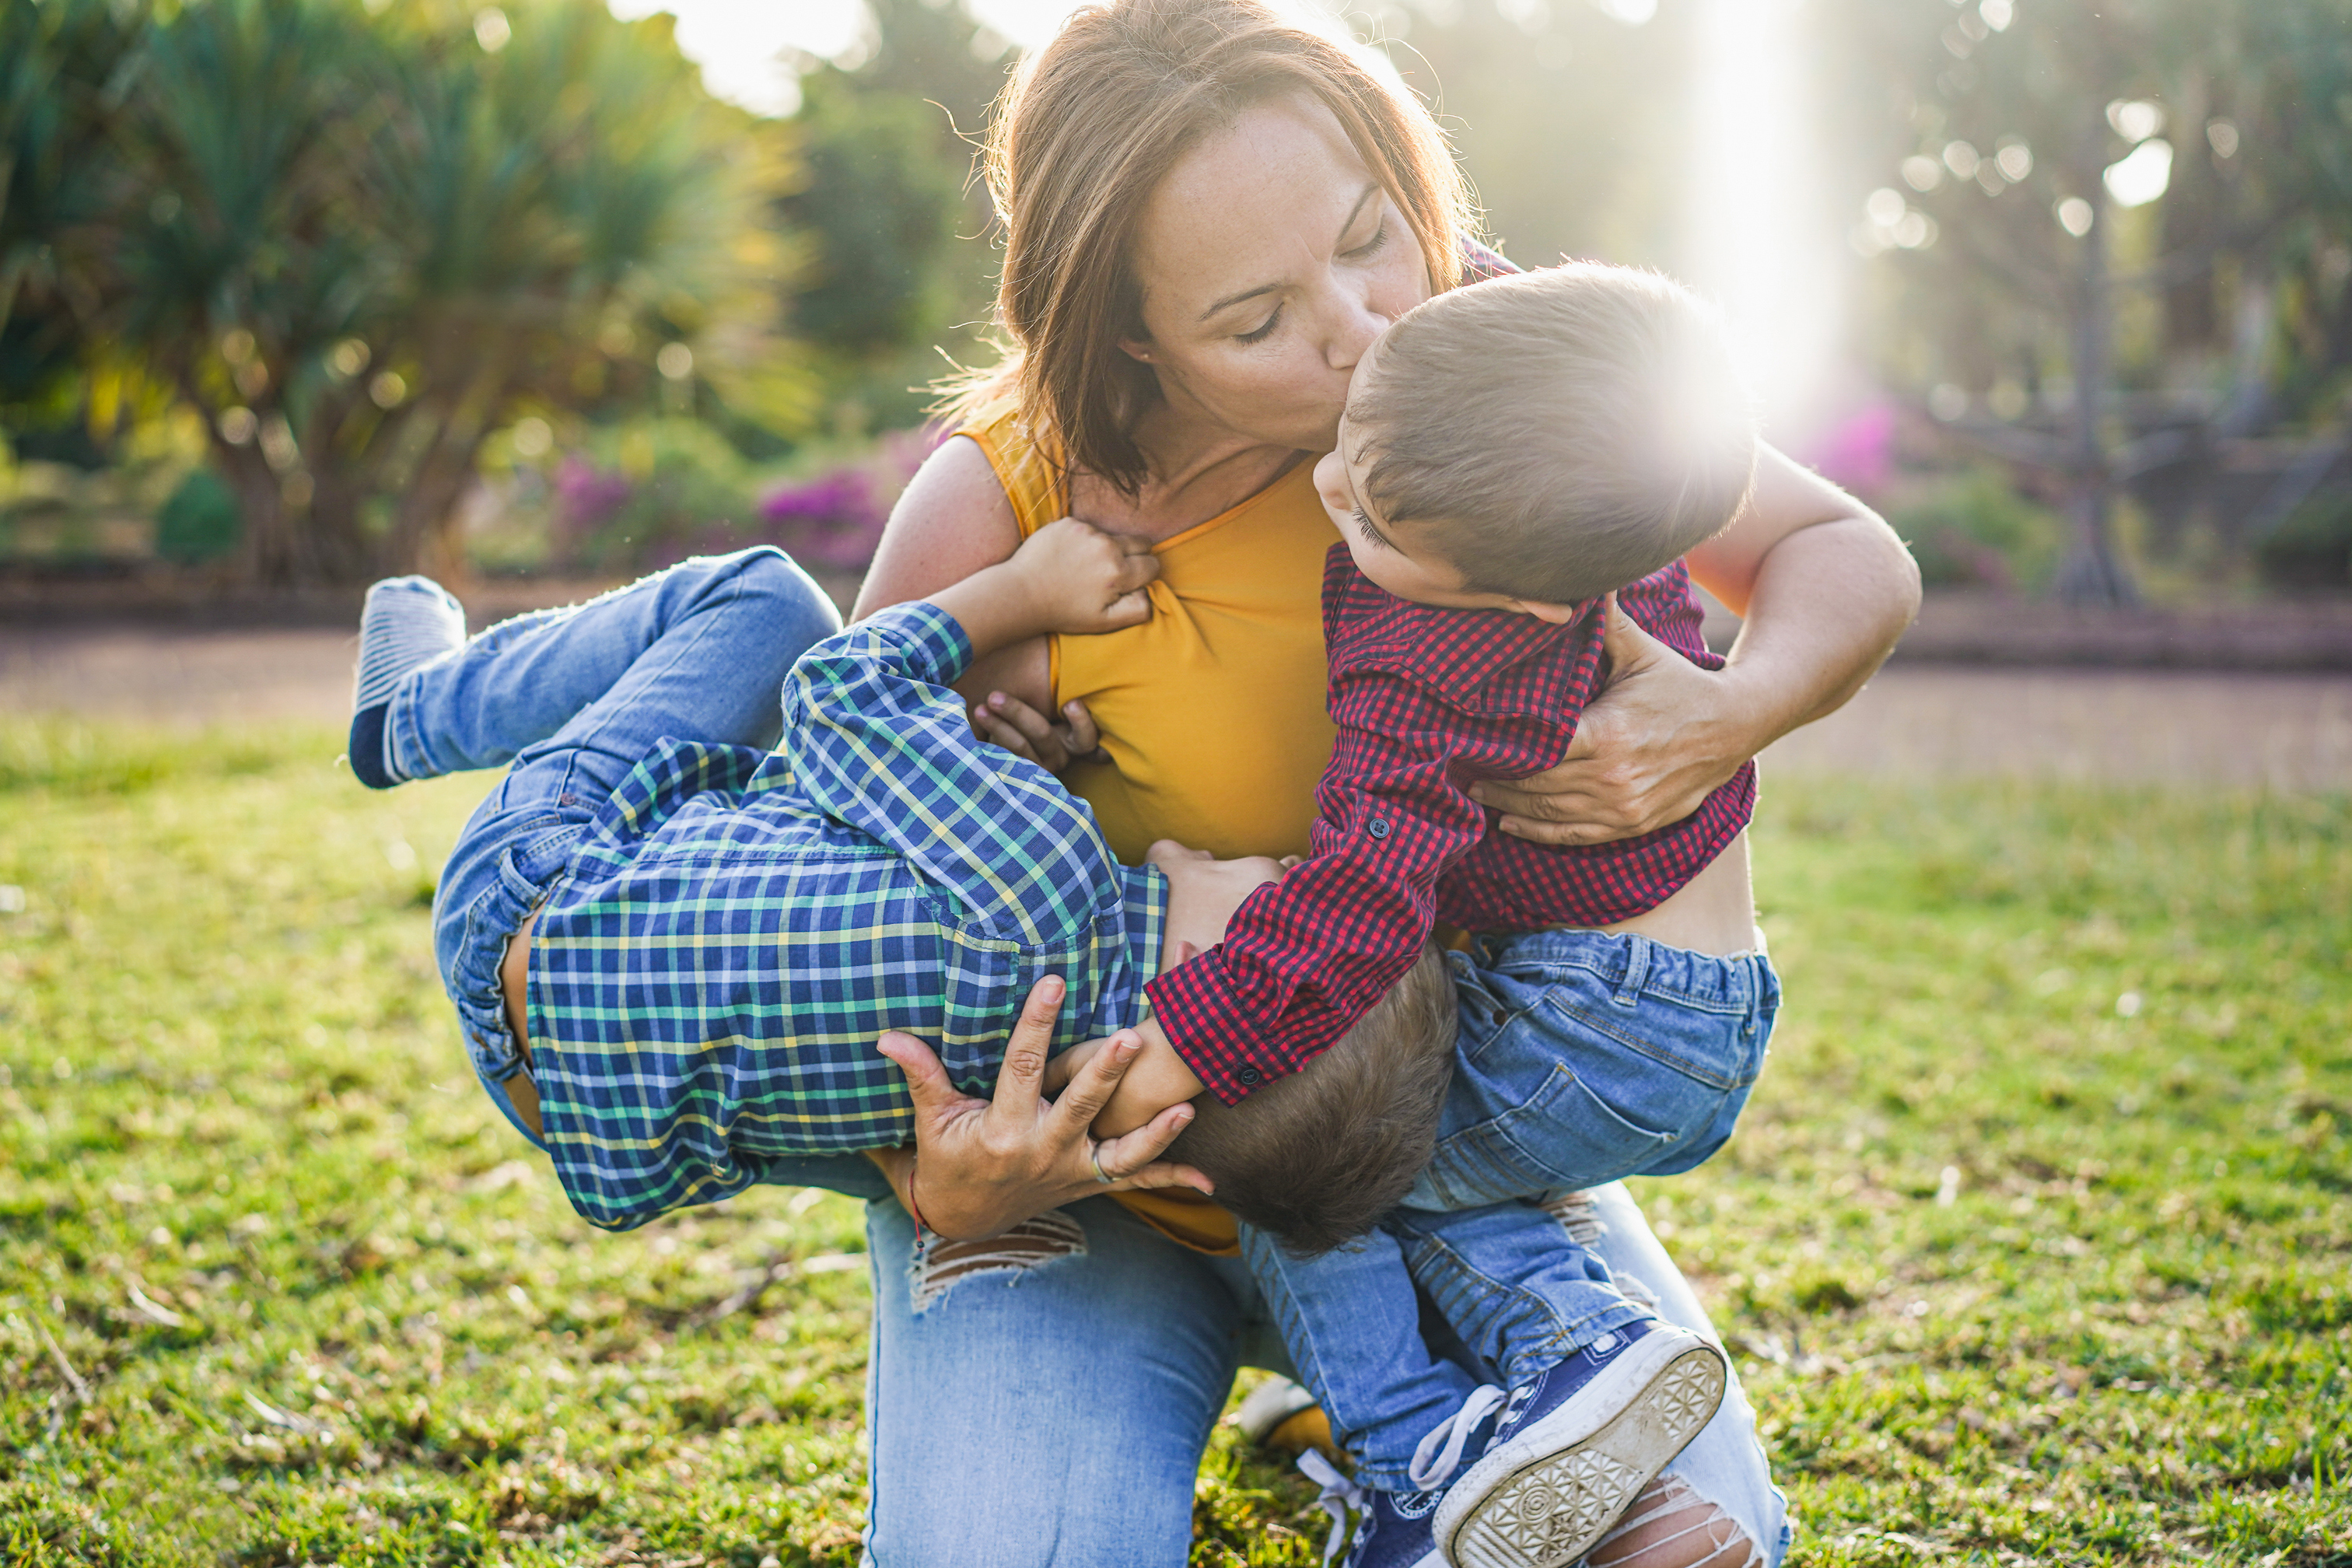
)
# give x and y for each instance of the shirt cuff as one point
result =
(932, 641)
(1218, 1044)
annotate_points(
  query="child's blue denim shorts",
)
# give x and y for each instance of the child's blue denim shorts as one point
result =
(1586, 1058)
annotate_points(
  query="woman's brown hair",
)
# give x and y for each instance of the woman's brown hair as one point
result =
(1082, 137)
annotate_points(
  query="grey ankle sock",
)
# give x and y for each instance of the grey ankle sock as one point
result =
(408, 623)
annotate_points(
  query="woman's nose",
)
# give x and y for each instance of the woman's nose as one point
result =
(1351, 321)
(1354, 326)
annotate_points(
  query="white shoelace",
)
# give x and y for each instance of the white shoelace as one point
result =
(1433, 1463)
(1339, 1495)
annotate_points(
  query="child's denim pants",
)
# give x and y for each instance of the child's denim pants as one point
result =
(1584, 1058)
(573, 699)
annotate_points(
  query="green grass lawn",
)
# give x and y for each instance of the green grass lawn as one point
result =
(2036, 1244)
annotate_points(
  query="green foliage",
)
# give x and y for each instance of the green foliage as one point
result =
(360, 240)
(2312, 548)
(366, 1328)
(680, 485)
(199, 523)
(1973, 530)
(61, 64)
(1560, 120)
(879, 202)
(891, 214)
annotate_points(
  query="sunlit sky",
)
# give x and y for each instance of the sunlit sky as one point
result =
(737, 42)
(1758, 238)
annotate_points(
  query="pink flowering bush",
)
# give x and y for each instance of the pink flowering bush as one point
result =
(691, 495)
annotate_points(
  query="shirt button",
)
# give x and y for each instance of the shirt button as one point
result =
(1378, 827)
(1248, 1075)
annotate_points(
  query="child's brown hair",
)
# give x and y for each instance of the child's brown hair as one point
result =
(1320, 1156)
(1559, 433)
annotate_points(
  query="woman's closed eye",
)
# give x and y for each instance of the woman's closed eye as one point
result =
(1261, 333)
(1371, 247)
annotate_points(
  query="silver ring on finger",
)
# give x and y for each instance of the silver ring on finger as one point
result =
(1093, 1158)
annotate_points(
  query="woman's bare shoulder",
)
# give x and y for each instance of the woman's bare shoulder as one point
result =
(953, 518)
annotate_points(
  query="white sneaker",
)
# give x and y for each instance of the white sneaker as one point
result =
(1573, 1449)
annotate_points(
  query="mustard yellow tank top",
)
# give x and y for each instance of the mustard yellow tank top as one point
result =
(1212, 711)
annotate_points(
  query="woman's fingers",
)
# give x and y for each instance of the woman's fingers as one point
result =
(1061, 1070)
(1090, 1087)
(1133, 1162)
(1020, 1083)
(927, 1081)
(1647, 750)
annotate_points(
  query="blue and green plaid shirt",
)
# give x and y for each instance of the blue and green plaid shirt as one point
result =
(708, 977)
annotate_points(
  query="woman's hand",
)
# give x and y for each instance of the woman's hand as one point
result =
(986, 1165)
(1648, 748)
(1052, 744)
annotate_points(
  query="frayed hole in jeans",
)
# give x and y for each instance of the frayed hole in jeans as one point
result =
(940, 1264)
(1670, 1525)
(1579, 1216)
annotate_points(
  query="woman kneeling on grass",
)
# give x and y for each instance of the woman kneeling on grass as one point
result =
(1210, 215)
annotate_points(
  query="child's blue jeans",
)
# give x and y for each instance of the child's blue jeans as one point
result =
(1584, 1058)
(572, 699)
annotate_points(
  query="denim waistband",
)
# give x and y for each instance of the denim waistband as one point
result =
(1633, 966)
(501, 870)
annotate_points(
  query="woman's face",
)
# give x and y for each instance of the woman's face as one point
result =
(1269, 257)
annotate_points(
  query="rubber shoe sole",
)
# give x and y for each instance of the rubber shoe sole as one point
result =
(1542, 1498)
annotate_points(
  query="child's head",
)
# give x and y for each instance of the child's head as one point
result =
(1541, 439)
(1318, 1156)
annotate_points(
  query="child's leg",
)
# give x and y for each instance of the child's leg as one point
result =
(1587, 1057)
(1352, 1325)
(1522, 1296)
(696, 652)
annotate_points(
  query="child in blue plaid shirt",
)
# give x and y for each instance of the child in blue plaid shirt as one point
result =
(673, 948)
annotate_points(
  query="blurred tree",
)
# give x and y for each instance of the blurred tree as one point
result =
(879, 201)
(1571, 117)
(361, 245)
(886, 206)
(64, 66)
(2140, 174)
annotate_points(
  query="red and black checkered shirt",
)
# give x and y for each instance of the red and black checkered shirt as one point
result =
(1429, 701)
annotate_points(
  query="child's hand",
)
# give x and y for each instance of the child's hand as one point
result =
(1079, 579)
(1068, 576)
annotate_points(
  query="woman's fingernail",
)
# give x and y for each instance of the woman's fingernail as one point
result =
(996, 699)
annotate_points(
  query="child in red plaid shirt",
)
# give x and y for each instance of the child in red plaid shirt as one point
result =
(1520, 469)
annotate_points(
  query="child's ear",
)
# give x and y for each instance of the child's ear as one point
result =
(1557, 615)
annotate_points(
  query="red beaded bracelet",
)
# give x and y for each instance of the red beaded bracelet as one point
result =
(914, 1208)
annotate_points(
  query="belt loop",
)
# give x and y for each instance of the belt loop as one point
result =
(1637, 969)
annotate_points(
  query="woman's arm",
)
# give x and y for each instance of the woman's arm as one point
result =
(1827, 590)
(953, 520)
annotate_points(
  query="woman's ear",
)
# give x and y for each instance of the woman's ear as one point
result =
(1136, 348)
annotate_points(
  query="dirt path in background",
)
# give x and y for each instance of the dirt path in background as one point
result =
(2285, 731)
